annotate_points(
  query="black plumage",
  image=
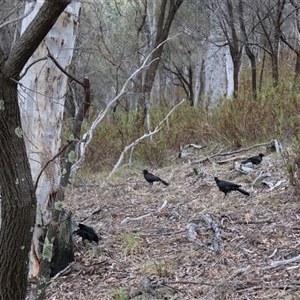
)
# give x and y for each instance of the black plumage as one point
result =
(87, 233)
(151, 178)
(255, 160)
(226, 187)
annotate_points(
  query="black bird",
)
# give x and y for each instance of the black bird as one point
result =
(87, 233)
(255, 160)
(151, 178)
(226, 187)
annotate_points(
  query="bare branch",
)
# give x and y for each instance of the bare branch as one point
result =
(48, 162)
(157, 128)
(220, 153)
(30, 10)
(30, 65)
(62, 69)
(128, 219)
(87, 137)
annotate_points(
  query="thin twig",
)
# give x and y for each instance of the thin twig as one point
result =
(133, 144)
(128, 219)
(48, 162)
(30, 10)
(62, 69)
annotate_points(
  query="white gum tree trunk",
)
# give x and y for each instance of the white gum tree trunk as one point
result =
(41, 98)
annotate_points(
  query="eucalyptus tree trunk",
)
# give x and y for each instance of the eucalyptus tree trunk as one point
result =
(41, 98)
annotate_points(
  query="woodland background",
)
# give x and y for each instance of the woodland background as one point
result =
(145, 83)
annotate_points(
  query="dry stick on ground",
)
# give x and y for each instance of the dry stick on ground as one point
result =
(262, 287)
(74, 266)
(279, 263)
(148, 287)
(163, 233)
(128, 219)
(232, 152)
(274, 264)
(239, 272)
(183, 152)
(94, 212)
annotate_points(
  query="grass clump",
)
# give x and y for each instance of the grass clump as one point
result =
(130, 242)
(161, 269)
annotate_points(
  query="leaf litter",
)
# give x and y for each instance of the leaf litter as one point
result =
(186, 241)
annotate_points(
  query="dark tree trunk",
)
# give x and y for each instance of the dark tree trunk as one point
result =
(249, 52)
(297, 70)
(275, 18)
(164, 23)
(57, 248)
(18, 205)
(63, 248)
(167, 12)
(235, 48)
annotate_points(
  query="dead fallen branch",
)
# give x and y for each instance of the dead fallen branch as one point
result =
(220, 153)
(160, 234)
(183, 150)
(263, 287)
(260, 178)
(279, 263)
(74, 266)
(128, 219)
(95, 212)
(239, 272)
(274, 264)
(208, 223)
(257, 221)
(149, 287)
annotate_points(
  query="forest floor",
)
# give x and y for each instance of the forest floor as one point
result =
(186, 241)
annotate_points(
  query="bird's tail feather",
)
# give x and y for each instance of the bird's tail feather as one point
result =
(245, 162)
(243, 192)
(164, 182)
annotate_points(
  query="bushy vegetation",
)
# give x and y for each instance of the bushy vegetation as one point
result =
(274, 114)
(234, 122)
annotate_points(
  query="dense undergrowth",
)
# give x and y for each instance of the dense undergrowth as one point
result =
(234, 123)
